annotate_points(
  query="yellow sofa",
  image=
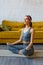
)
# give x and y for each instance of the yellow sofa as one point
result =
(15, 30)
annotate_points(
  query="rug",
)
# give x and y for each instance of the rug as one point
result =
(37, 53)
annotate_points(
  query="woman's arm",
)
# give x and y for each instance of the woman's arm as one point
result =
(18, 41)
(31, 39)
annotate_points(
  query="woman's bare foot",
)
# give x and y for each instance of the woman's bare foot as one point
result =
(20, 52)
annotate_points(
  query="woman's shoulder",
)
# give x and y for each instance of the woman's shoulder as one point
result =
(21, 29)
(32, 30)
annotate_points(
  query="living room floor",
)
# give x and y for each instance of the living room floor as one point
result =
(11, 60)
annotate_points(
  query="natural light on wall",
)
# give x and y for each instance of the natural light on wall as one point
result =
(17, 9)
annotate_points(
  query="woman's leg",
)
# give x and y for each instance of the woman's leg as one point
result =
(28, 52)
(15, 48)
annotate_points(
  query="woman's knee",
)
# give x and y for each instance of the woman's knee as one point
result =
(28, 52)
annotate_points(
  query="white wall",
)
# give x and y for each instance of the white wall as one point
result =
(17, 9)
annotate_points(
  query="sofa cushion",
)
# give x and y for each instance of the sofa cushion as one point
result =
(37, 24)
(14, 24)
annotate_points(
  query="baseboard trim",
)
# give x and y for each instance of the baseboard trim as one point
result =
(22, 43)
(37, 43)
(2, 43)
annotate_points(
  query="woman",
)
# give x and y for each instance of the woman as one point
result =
(27, 37)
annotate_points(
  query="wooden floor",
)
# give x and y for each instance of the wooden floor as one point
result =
(8, 60)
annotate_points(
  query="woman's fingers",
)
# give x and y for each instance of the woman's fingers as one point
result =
(7, 43)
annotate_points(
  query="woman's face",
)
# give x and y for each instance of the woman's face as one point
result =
(26, 20)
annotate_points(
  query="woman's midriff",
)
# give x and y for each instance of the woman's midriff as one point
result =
(25, 42)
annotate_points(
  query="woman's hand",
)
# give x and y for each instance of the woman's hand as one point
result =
(27, 48)
(9, 43)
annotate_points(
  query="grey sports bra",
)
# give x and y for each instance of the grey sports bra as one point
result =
(26, 36)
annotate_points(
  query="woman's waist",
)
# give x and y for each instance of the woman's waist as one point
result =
(25, 42)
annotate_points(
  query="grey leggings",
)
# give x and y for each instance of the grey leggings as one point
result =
(16, 48)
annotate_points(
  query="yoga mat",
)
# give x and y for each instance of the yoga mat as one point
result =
(37, 53)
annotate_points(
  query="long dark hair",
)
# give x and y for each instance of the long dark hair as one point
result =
(30, 18)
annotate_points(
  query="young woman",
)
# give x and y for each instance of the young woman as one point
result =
(27, 35)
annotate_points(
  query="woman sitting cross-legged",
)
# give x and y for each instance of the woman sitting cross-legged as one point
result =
(27, 36)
